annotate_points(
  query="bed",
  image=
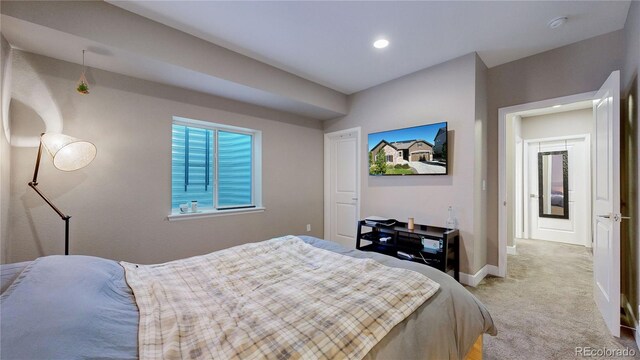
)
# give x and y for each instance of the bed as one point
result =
(73, 307)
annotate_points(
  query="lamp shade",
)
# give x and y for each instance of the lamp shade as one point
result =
(68, 153)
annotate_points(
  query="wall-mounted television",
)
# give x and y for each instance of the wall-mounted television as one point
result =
(418, 150)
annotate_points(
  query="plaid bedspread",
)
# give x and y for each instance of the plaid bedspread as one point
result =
(277, 299)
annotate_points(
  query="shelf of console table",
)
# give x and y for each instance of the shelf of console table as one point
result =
(445, 258)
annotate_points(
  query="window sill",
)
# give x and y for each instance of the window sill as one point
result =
(212, 213)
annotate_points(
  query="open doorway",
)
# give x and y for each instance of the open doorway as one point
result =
(549, 174)
(603, 262)
(512, 207)
(604, 200)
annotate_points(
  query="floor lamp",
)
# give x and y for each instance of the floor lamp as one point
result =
(68, 154)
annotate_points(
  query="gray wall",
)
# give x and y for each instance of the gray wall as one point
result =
(572, 69)
(480, 166)
(5, 149)
(632, 46)
(119, 203)
(444, 92)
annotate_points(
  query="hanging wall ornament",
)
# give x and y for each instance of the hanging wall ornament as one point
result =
(83, 85)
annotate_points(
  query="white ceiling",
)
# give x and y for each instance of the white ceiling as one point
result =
(283, 54)
(329, 42)
(587, 104)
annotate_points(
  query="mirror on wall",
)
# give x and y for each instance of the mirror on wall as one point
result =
(553, 184)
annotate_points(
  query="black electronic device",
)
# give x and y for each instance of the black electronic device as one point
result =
(378, 220)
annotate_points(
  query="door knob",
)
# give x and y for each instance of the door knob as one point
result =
(615, 217)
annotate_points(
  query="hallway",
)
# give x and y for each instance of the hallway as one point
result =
(544, 308)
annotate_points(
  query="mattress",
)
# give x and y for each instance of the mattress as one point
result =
(72, 307)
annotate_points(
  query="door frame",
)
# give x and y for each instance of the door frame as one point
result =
(519, 190)
(502, 164)
(327, 171)
(527, 220)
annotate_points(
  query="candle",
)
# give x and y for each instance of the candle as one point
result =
(411, 224)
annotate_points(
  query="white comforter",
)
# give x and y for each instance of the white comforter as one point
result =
(281, 299)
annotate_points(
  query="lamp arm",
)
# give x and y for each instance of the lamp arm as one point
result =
(64, 217)
(35, 171)
(34, 185)
(60, 213)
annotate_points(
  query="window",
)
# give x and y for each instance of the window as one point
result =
(389, 158)
(215, 165)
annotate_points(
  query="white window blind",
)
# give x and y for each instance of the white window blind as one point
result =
(234, 169)
(213, 165)
(192, 164)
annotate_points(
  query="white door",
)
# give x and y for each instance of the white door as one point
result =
(606, 201)
(573, 230)
(342, 181)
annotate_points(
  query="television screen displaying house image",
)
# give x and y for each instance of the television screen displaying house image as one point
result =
(419, 150)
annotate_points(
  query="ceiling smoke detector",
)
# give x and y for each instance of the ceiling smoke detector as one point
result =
(557, 22)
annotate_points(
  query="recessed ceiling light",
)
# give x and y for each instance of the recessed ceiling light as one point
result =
(556, 106)
(557, 22)
(381, 43)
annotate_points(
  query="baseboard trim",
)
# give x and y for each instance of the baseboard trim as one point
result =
(474, 280)
(511, 250)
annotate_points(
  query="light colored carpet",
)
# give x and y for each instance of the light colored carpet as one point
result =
(544, 308)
